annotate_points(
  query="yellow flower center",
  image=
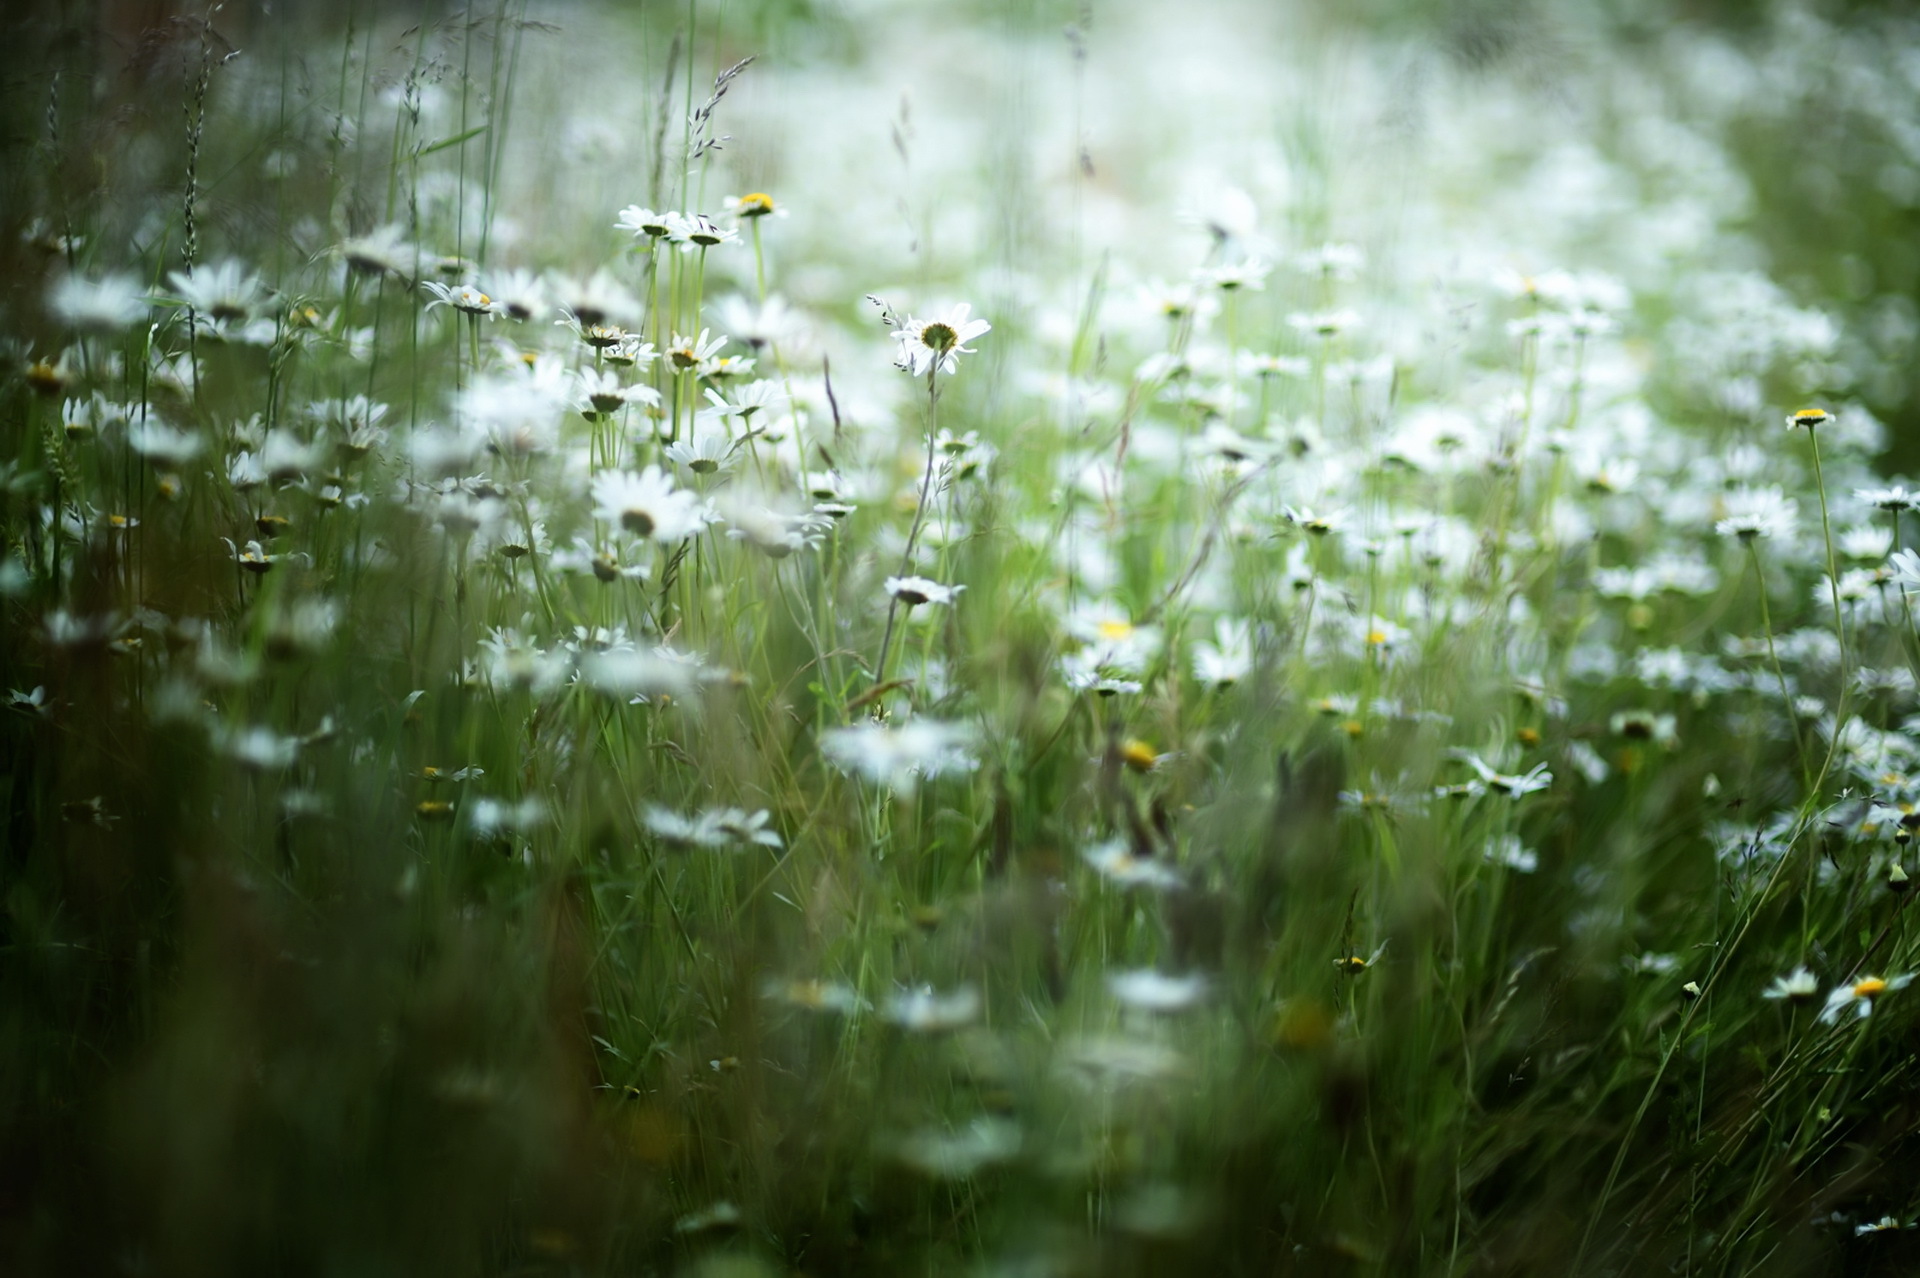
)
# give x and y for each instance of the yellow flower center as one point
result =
(1114, 630)
(1872, 987)
(756, 204)
(1138, 755)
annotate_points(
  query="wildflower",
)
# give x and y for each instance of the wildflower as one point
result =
(1229, 658)
(900, 757)
(225, 293)
(1798, 986)
(1354, 964)
(926, 1012)
(1644, 725)
(602, 394)
(713, 828)
(753, 204)
(1897, 880)
(757, 325)
(957, 1155)
(598, 300)
(1860, 996)
(686, 354)
(519, 295)
(1886, 1224)
(775, 534)
(51, 377)
(1808, 419)
(935, 345)
(1513, 786)
(1250, 274)
(1906, 570)
(913, 591)
(381, 251)
(1894, 500)
(252, 557)
(647, 504)
(464, 298)
(1508, 850)
(705, 450)
(642, 221)
(1114, 860)
(1757, 512)
(1153, 991)
(110, 303)
(162, 444)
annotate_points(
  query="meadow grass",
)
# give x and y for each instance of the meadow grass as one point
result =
(834, 640)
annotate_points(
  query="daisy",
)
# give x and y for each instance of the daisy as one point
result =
(645, 222)
(601, 393)
(926, 1011)
(647, 504)
(381, 251)
(697, 231)
(464, 298)
(688, 353)
(706, 450)
(1514, 787)
(900, 757)
(1115, 861)
(225, 292)
(753, 204)
(713, 828)
(1153, 991)
(936, 345)
(1894, 499)
(1860, 996)
(519, 295)
(913, 591)
(111, 302)
(1758, 512)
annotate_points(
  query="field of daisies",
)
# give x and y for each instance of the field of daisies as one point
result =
(856, 638)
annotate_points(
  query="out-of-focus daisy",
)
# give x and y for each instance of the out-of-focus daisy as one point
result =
(225, 292)
(902, 756)
(1512, 785)
(927, 1011)
(754, 204)
(1114, 860)
(1154, 991)
(519, 295)
(706, 450)
(913, 591)
(712, 828)
(1860, 995)
(1798, 986)
(110, 303)
(381, 251)
(647, 504)
(1757, 512)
